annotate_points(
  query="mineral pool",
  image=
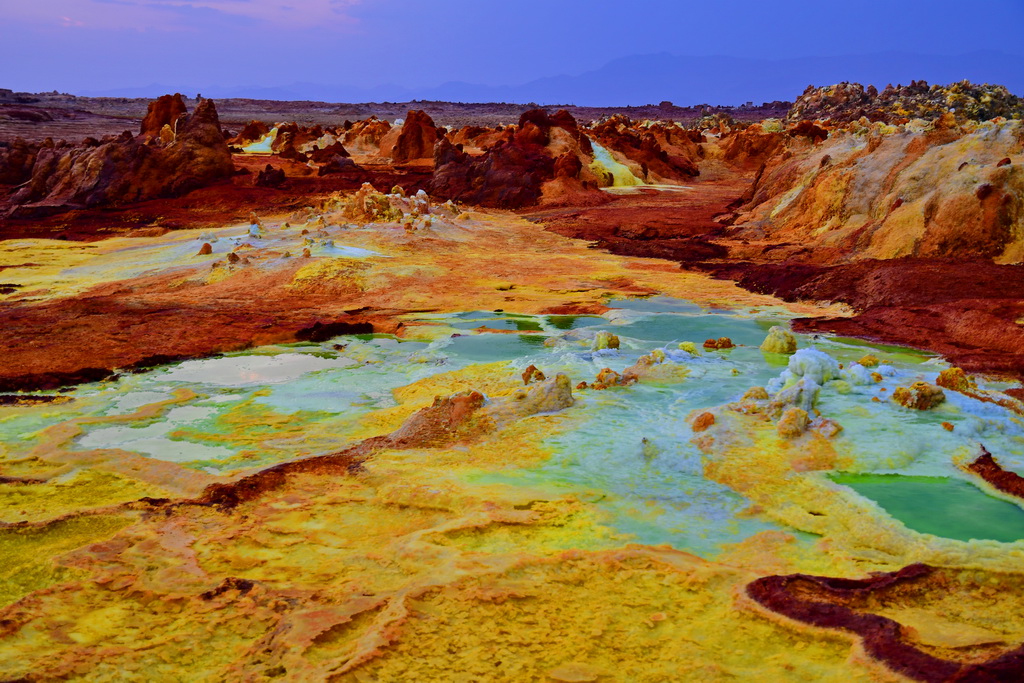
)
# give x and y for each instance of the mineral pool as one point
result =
(628, 450)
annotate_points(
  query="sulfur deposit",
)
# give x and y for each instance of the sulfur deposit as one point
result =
(401, 399)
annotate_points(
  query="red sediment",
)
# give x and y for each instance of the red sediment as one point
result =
(677, 226)
(125, 326)
(228, 496)
(576, 309)
(831, 603)
(964, 310)
(986, 467)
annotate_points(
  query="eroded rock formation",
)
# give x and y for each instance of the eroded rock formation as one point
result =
(879, 191)
(126, 168)
(16, 161)
(415, 140)
(163, 111)
(661, 153)
(547, 156)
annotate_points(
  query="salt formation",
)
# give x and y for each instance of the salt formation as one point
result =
(800, 383)
(779, 340)
(919, 396)
(605, 340)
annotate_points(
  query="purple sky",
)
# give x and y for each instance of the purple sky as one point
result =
(90, 45)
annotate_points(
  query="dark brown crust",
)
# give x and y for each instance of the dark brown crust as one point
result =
(986, 467)
(881, 637)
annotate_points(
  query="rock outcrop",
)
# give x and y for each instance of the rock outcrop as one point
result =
(125, 169)
(323, 155)
(509, 175)
(163, 111)
(16, 161)
(846, 102)
(253, 132)
(270, 177)
(751, 147)
(659, 153)
(364, 137)
(415, 140)
(881, 191)
(547, 158)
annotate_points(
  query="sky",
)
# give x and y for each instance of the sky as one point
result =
(81, 46)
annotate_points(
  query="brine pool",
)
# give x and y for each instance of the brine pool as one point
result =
(628, 450)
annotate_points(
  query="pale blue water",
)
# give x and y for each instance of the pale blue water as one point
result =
(629, 448)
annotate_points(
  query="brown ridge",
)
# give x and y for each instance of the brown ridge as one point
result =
(824, 601)
(986, 467)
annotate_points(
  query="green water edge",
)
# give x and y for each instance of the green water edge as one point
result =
(942, 506)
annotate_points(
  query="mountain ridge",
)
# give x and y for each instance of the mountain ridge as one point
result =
(651, 78)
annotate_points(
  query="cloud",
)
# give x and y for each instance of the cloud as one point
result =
(184, 14)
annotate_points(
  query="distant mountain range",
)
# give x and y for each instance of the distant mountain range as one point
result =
(650, 79)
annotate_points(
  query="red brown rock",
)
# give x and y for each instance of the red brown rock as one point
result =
(337, 164)
(702, 422)
(810, 130)
(364, 137)
(163, 111)
(532, 374)
(16, 160)
(751, 147)
(323, 155)
(270, 177)
(253, 132)
(719, 344)
(509, 175)
(520, 168)
(986, 467)
(126, 169)
(535, 128)
(650, 149)
(417, 139)
(568, 166)
(286, 144)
